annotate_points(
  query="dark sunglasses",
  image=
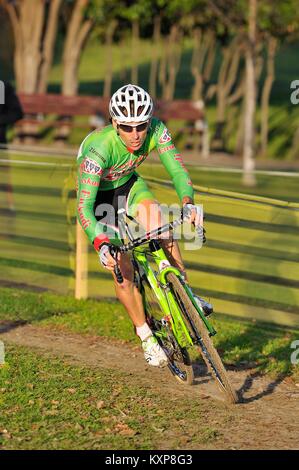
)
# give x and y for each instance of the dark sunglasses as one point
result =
(139, 127)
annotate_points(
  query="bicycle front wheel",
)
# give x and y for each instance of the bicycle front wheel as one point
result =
(204, 342)
(178, 358)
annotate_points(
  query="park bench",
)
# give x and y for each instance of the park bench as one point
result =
(47, 111)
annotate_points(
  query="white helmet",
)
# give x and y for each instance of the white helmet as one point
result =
(131, 103)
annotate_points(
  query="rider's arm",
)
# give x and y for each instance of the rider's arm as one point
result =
(172, 161)
(89, 175)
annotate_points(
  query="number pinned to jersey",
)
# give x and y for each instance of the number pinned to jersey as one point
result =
(165, 137)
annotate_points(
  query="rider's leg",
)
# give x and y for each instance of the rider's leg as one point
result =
(150, 216)
(173, 253)
(128, 293)
(130, 297)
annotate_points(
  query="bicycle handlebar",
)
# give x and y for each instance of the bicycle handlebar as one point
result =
(145, 239)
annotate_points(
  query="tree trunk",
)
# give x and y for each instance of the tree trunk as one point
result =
(226, 81)
(162, 68)
(155, 56)
(272, 46)
(28, 41)
(240, 132)
(202, 61)
(250, 100)
(135, 50)
(211, 53)
(47, 53)
(18, 56)
(31, 42)
(196, 65)
(109, 58)
(172, 61)
(124, 58)
(77, 34)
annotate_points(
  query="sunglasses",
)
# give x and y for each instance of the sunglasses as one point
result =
(139, 127)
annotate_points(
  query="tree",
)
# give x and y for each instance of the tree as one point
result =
(33, 45)
(271, 51)
(138, 13)
(81, 16)
(279, 21)
(230, 85)
(202, 60)
(177, 13)
(250, 97)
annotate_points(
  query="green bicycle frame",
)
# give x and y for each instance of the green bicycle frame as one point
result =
(164, 295)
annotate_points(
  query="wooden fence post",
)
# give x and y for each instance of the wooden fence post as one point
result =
(81, 286)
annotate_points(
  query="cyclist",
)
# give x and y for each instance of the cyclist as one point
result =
(107, 160)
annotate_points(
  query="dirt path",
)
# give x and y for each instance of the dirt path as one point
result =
(267, 418)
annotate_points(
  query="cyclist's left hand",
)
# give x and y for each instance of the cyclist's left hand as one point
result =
(193, 214)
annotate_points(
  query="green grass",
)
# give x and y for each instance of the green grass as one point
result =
(276, 187)
(238, 341)
(47, 403)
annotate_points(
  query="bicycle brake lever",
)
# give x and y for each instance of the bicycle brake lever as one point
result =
(116, 269)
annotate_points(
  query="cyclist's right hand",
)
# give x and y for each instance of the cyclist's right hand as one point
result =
(105, 256)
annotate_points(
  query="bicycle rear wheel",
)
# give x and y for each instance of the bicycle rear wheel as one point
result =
(178, 358)
(204, 342)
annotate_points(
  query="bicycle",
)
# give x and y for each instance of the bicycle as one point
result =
(176, 319)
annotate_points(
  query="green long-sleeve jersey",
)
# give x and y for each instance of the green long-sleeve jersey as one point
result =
(104, 162)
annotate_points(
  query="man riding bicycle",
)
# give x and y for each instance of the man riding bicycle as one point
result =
(107, 161)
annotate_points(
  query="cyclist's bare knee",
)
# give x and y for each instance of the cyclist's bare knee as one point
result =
(127, 271)
(149, 214)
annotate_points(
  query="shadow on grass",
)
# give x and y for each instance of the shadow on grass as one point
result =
(6, 325)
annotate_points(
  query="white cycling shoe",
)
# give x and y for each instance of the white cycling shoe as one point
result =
(153, 353)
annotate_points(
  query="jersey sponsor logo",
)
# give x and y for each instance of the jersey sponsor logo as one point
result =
(165, 137)
(85, 193)
(165, 149)
(84, 221)
(91, 167)
(179, 159)
(93, 150)
(115, 172)
(89, 182)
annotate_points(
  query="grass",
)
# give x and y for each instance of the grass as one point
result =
(239, 342)
(276, 187)
(47, 403)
